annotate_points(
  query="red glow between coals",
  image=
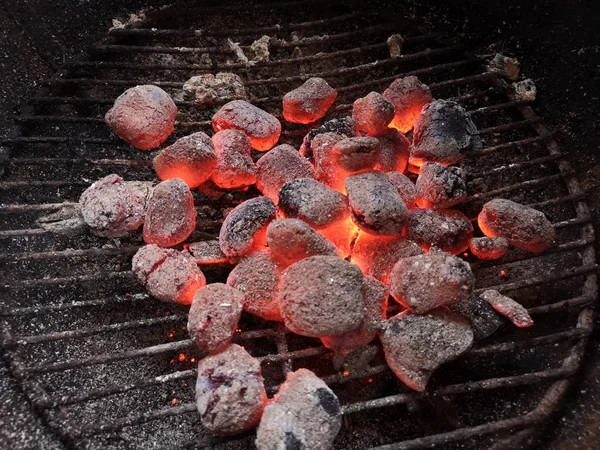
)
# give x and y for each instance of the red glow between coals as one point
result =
(405, 121)
(182, 171)
(342, 234)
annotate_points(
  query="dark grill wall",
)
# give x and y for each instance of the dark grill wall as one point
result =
(556, 42)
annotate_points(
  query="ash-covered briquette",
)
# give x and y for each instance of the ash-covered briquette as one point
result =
(170, 216)
(509, 308)
(257, 276)
(321, 296)
(207, 252)
(191, 158)
(168, 274)
(376, 207)
(488, 248)
(313, 202)
(110, 207)
(482, 317)
(424, 282)
(444, 133)
(440, 187)
(143, 116)
(416, 345)
(377, 255)
(291, 240)
(280, 165)
(244, 227)
(234, 165)
(326, 169)
(408, 95)
(230, 392)
(520, 225)
(343, 126)
(309, 102)
(372, 114)
(375, 299)
(356, 154)
(214, 316)
(405, 187)
(209, 88)
(445, 229)
(394, 151)
(304, 415)
(262, 128)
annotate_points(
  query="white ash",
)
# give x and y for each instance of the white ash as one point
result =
(209, 88)
(525, 90)
(506, 66)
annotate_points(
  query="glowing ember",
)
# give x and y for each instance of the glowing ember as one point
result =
(509, 308)
(423, 282)
(321, 296)
(357, 154)
(110, 207)
(488, 248)
(405, 187)
(308, 102)
(341, 234)
(376, 255)
(416, 345)
(326, 170)
(181, 357)
(313, 202)
(394, 151)
(305, 414)
(280, 165)
(170, 216)
(143, 116)
(262, 128)
(343, 126)
(235, 168)
(191, 158)
(230, 393)
(375, 204)
(375, 300)
(214, 315)
(257, 277)
(444, 229)
(372, 114)
(244, 228)
(440, 187)
(521, 226)
(168, 274)
(443, 133)
(408, 95)
(291, 240)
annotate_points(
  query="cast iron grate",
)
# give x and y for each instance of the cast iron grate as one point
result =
(108, 367)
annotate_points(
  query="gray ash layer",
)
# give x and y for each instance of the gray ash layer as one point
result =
(509, 308)
(313, 202)
(209, 88)
(447, 230)
(304, 415)
(440, 187)
(356, 154)
(488, 247)
(343, 126)
(243, 223)
(234, 166)
(372, 114)
(394, 151)
(405, 187)
(375, 204)
(308, 102)
(482, 317)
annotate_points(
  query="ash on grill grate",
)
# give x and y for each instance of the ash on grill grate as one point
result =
(146, 395)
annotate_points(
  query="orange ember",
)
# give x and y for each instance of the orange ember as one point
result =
(181, 357)
(174, 402)
(182, 171)
(404, 121)
(342, 234)
(345, 373)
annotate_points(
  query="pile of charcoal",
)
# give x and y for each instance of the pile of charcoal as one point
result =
(339, 228)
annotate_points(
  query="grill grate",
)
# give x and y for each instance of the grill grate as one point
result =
(99, 359)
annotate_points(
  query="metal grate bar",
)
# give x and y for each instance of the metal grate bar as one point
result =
(507, 145)
(515, 166)
(94, 251)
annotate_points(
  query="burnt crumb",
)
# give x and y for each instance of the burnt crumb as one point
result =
(209, 88)
(243, 224)
(423, 282)
(482, 317)
(440, 187)
(520, 225)
(321, 296)
(375, 204)
(110, 208)
(313, 202)
(444, 133)
(506, 66)
(416, 345)
(445, 229)
(343, 126)
(328, 401)
(230, 395)
(304, 414)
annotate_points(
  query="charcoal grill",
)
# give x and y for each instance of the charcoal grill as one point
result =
(105, 366)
